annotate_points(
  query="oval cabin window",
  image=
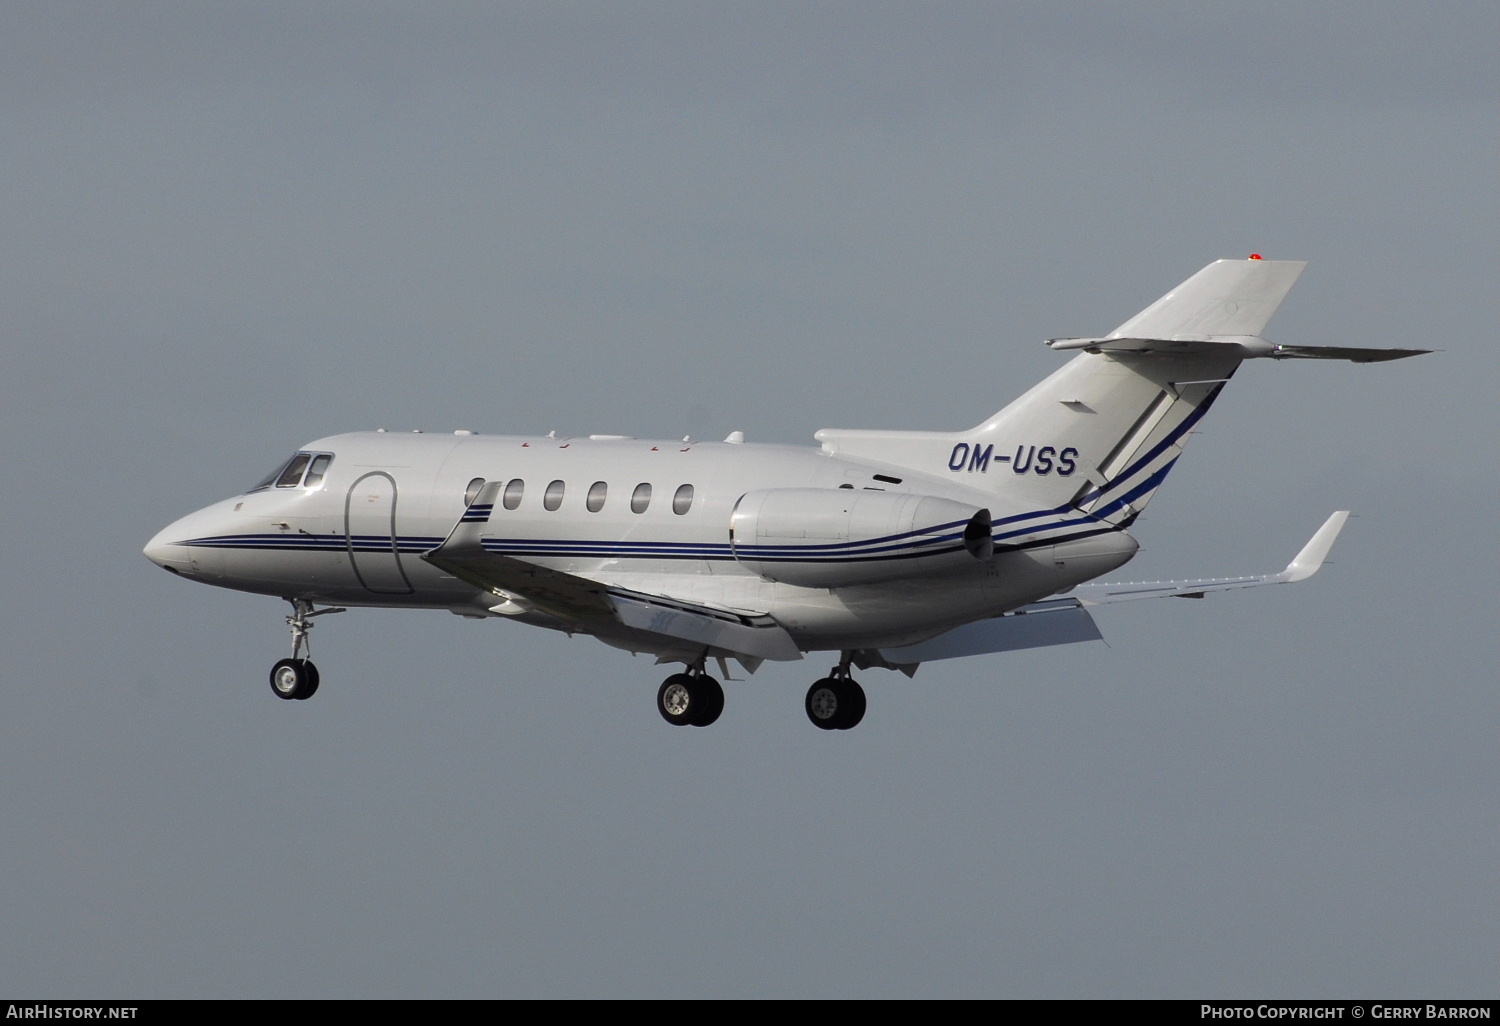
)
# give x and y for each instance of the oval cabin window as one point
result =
(513, 492)
(552, 497)
(640, 498)
(597, 492)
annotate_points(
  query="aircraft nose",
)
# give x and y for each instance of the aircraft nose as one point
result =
(165, 552)
(179, 546)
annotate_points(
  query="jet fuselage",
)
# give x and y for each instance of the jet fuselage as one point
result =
(652, 516)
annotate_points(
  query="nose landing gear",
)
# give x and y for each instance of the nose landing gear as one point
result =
(297, 678)
(836, 702)
(690, 699)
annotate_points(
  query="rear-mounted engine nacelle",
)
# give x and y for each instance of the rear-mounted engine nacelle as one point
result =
(831, 537)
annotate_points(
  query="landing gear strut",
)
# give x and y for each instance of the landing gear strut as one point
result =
(690, 699)
(836, 702)
(297, 678)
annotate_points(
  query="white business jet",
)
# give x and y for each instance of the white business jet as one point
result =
(889, 548)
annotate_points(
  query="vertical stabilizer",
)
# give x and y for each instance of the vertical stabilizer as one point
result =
(1228, 297)
(1101, 433)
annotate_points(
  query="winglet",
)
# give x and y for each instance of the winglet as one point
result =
(1307, 562)
(1302, 566)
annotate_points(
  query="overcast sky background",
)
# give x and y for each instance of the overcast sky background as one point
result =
(228, 229)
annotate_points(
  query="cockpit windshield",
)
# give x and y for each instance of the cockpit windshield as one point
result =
(295, 472)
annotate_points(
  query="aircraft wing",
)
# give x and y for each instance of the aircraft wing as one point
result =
(521, 586)
(1065, 620)
(1302, 566)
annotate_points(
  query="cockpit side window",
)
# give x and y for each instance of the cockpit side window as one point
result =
(291, 477)
(289, 474)
(317, 470)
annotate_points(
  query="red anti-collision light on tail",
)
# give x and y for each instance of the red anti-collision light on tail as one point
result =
(1255, 256)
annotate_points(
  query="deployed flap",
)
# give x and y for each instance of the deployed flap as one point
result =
(1053, 622)
(758, 636)
(579, 600)
(1303, 565)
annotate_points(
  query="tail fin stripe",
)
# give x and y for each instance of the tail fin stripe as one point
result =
(1188, 423)
(1150, 484)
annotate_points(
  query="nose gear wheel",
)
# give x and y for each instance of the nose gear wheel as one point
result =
(294, 679)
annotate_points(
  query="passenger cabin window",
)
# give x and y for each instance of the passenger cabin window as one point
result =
(513, 492)
(472, 492)
(597, 493)
(682, 501)
(553, 496)
(640, 498)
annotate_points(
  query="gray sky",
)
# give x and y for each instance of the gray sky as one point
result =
(228, 229)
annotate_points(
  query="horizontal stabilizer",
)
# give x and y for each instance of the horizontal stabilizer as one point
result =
(1250, 347)
(1054, 622)
(1303, 565)
(1350, 353)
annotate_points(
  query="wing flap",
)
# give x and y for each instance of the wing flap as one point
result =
(1041, 624)
(757, 636)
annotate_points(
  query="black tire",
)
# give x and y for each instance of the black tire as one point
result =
(677, 700)
(311, 688)
(852, 705)
(825, 701)
(709, 695)
(289, 679)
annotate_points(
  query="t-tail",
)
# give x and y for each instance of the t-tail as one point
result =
(1101, 433)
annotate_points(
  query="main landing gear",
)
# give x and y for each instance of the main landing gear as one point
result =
(694, 699)
(836, 702)
(297, 678)
(690, 699)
